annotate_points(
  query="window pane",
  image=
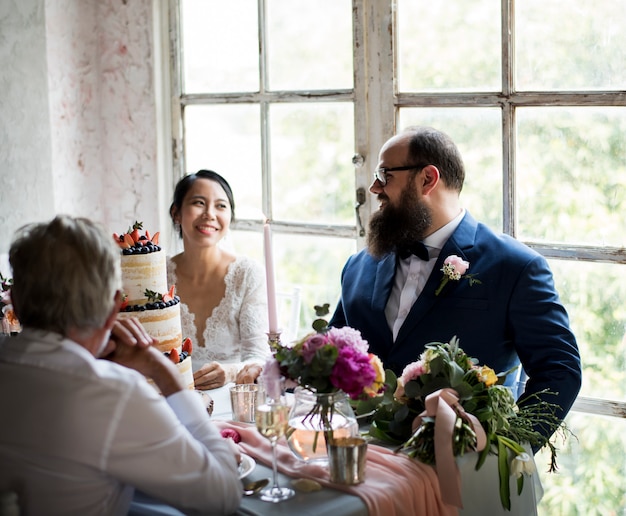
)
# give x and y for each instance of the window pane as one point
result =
(571, 172)
(225, 138)
(595, 299)
(449, 45)
(570, 45)
(220, 48)
(312, 170)
(590, 479)
(311, 264)
(310, 44)
(478, 134)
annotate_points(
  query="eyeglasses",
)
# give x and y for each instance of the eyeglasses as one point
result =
(380, 174)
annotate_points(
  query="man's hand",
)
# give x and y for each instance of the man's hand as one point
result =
(127, 332)
(131, 346)
(209, 376)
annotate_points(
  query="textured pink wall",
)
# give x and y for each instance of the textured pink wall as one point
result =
(103, 109)
(78, 130)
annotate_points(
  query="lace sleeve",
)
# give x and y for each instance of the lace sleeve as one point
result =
(253, 316)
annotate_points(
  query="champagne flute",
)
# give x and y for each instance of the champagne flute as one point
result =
(271, 420)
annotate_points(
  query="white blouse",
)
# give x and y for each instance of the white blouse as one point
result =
(236, 331)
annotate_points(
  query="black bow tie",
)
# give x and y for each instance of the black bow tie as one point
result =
(416, 248)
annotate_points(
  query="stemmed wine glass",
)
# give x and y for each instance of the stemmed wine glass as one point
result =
(271, 421)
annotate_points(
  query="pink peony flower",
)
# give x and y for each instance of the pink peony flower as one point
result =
(352, 372)
(347, 336)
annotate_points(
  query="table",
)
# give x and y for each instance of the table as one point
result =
(476, 499)
(326, 501)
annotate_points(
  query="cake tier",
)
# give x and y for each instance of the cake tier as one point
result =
(186, 370)
(163, 325)
(141, 272)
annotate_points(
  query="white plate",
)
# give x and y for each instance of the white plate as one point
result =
(246, 466)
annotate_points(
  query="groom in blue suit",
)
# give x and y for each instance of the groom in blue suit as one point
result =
(504, 309)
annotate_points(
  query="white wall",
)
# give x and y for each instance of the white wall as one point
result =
(26, 183)
(78, 117)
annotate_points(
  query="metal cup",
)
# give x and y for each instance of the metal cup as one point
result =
(346, 460)
(243, 400)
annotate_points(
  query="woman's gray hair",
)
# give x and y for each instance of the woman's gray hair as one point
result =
(65, 275)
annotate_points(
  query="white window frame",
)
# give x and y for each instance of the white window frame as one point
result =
(377, 100)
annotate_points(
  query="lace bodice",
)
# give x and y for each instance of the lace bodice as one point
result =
(235, 332)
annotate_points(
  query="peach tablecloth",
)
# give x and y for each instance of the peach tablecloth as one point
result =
(395, 485)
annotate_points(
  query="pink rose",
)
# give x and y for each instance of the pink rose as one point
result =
(460, 265)
(230, 433)
(311, 345)
(412, 371)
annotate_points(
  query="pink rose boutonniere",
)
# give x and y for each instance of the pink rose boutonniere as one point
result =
(454, 268)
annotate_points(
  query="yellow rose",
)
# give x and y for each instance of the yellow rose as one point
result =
(487, 376)
(379, 381)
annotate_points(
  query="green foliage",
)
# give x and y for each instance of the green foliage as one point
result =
(507, 427)
(153, 296)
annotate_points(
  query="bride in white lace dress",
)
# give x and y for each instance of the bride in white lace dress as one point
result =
(223, 297)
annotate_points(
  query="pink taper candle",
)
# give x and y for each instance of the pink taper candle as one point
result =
(269, 275)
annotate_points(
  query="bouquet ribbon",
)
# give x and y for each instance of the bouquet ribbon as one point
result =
(443, 405)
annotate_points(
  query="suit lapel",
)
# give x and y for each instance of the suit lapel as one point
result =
(385, 273)
(461, 242)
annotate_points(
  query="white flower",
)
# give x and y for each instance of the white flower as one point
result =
(523, 464)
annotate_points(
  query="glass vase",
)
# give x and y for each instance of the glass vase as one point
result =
(317, 418)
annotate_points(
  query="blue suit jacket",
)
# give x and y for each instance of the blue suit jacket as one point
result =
(514, 315)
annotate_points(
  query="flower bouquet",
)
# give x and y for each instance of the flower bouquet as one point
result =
(445, 405)
(8, 320)
(327, 364)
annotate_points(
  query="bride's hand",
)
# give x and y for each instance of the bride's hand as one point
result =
(209, 376)
(249, 373)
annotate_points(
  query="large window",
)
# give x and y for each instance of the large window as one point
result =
(291, 101)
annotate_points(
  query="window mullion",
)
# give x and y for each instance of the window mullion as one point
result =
(508, 119)
(374, 87)
(266, 180)
(176, 85)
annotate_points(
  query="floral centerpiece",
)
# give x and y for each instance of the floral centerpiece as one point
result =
(445, 405)
(8, 319)
(328, 363)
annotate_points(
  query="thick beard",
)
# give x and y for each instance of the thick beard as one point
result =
(398, 226)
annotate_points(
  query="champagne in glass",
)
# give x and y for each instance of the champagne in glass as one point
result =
(271, 419)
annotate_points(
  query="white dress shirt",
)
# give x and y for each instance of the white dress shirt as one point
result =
(412, 274)
(77, 434)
